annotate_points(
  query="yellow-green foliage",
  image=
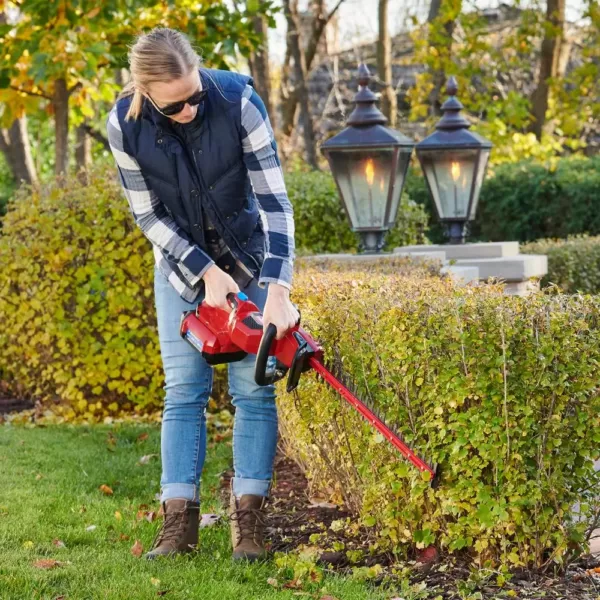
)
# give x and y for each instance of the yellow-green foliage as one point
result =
(77, 302)
(501, 391)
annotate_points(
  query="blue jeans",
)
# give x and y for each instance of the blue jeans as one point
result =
(188, 384)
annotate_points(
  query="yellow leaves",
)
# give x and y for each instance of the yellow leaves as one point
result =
(28, 545)
(106, 490)
(118, 515)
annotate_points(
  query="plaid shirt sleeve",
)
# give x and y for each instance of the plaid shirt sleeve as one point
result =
(151, 215)
(266, 175)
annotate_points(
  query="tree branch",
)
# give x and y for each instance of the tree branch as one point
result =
(29, 92)
(96, 135)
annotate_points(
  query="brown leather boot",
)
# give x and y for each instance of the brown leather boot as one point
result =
(247, 518)
(179, 530)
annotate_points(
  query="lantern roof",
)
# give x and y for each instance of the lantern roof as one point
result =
(366, 124)
(452, 130)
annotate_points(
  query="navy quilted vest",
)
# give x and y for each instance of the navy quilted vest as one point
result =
(212, 176)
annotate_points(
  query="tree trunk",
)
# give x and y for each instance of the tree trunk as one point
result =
(434, 10)
(83, 152)
(442, 14)
(549, 62)
(14, 143)
(60, 103)
(290, 8)
(290, 104)
(384, 66)
(259, 65)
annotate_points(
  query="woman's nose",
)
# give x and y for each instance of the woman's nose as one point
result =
(187, 112)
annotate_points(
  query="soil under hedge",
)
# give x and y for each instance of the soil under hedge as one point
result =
(293, 518)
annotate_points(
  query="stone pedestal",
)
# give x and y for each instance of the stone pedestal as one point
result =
(493, 260)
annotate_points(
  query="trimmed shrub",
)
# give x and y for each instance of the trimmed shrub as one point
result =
(322, 224)
(77, 303)
(501, 391)
(76, 298)
(527, 201)
(573, 264)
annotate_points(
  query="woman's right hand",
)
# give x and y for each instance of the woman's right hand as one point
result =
(218, 284)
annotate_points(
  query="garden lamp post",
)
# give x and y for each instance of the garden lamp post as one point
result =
(454, 161)
(369, 163)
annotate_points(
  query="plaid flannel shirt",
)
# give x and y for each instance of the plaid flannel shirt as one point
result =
(187, 261)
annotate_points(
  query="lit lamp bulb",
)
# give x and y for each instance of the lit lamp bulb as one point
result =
(370, 175)
(455, 172)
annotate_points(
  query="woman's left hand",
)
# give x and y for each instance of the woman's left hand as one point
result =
(279, 310)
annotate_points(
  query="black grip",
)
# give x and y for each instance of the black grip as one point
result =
(232, 299)
(261, 376)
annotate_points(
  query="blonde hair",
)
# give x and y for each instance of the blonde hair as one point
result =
(163, 55)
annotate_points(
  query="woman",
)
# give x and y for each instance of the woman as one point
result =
(198, 163)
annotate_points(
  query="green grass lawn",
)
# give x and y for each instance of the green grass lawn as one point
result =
(49, 490)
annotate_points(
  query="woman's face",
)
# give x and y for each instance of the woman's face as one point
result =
(175, 91)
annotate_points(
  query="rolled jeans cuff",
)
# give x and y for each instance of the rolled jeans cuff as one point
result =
(189, 491)
(256, 487)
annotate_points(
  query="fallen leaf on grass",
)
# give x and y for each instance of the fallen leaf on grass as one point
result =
(163, 592)
(47, 563)
(118, 515)
(28, 544)
(38, 476)
(91, 527)
(149, 515)
(146, 459)
(106, 490)
(293, 585)
(123, 536)
(60, 597)
(58, 543)
(143, 437)
(154, 581)
(137, 548)
(272, 581)
(207, 520)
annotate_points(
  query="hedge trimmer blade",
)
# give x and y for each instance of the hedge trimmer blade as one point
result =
(345, 388)
(222, 337)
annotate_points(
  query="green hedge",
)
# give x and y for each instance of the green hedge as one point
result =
(76, 296)
(501, 391)
(573, 264)
(527, 201)
(322, 225)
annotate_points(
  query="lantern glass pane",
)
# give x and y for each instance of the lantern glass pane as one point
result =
(483, 160)
(450, 175)
(403, 160)
(363, 177)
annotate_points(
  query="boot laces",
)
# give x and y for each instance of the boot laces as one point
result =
(247, 519)
(169, 531)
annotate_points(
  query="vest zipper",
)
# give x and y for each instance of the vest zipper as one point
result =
(218, 213)
(203, 186)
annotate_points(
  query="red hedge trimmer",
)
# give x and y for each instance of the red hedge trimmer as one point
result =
(224, 337)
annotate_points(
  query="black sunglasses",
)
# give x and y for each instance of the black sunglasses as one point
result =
(172, 109)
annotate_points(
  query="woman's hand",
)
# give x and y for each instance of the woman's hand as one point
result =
(218, 284)
(279, 310)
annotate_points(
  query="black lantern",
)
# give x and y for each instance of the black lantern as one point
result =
(454, 161)
(369, 163)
